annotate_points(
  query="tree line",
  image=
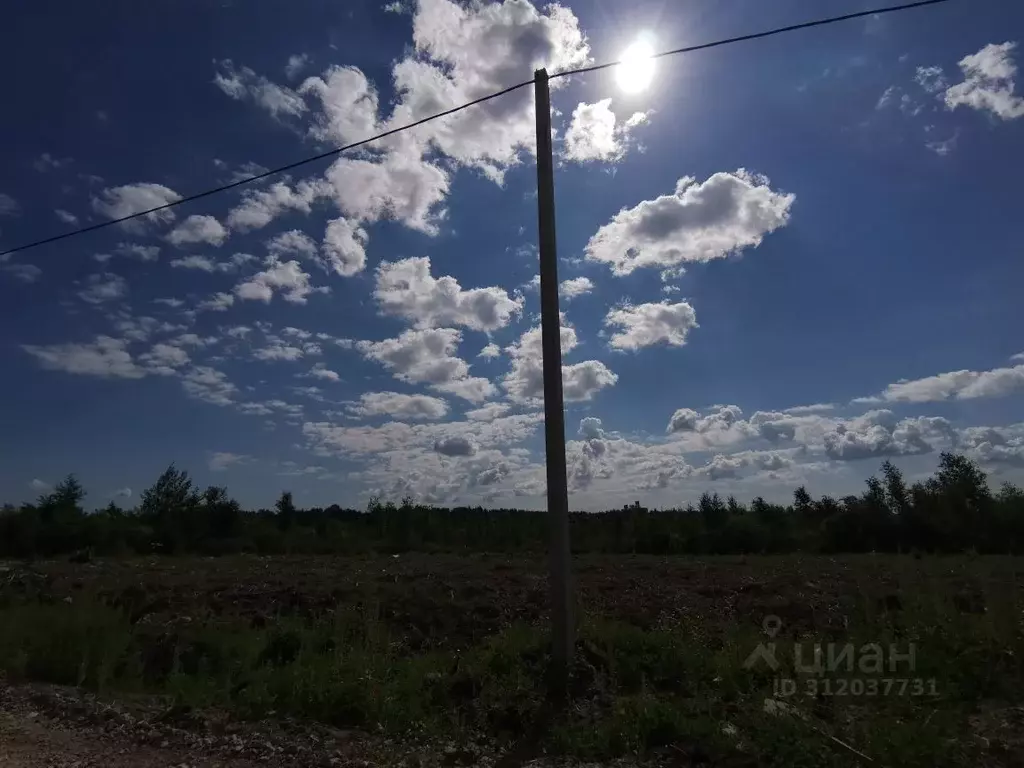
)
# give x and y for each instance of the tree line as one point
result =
(955, 510)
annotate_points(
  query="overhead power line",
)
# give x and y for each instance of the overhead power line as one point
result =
(355, 145)
(265, 174)
(758, 35)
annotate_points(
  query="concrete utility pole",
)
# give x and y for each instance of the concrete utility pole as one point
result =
(562, 634)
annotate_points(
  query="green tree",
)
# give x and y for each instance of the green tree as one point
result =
(286, 512)
(897, 499)
(713, 511)
(803, 504)
(65, 499)
(961, 504)
(171, 506)
(223, 513)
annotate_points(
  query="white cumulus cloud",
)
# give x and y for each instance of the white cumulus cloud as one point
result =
(959, 385)
(524, 382)
(286, 277)
(462, 52)
(880, 433)
(321, 371)
(581, 381)
(594, 135)
(488, 412)
(198, 229)
(427, 356)
(455, 446)
(699, 222)
(260, 207)
(644, 325)
(994, 446)
(401, 187)
(164, 359)
(475, 389)
(399, 406)
(989, 83)
(344, 247)
(683, 420)
(348, 102)
(208, 385)
(574, 287)
(407, 289)
(292, 243)
(490, 351)
(118, 202)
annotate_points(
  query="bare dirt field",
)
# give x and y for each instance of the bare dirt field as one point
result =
(438, 658)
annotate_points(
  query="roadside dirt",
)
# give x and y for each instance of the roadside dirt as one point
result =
(45, 726)
(30, 742)
(51, 726)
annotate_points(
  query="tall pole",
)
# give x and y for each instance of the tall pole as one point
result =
(554, 414)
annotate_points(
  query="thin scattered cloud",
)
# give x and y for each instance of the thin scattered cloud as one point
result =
(26, 273)
(220, 461)
(105, 357)
(103, 287)
(243, 83)
(296, 63)
(8, 205)
(47, 162)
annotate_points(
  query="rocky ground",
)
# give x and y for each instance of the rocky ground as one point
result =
(52, 726)
(45, 726)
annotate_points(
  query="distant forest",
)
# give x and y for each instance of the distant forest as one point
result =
(953, 511)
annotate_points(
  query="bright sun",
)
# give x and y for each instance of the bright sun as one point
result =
(635, 72)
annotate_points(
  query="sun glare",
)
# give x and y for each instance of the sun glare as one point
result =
(635, 72)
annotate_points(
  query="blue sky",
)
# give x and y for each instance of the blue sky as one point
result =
(784, 261)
